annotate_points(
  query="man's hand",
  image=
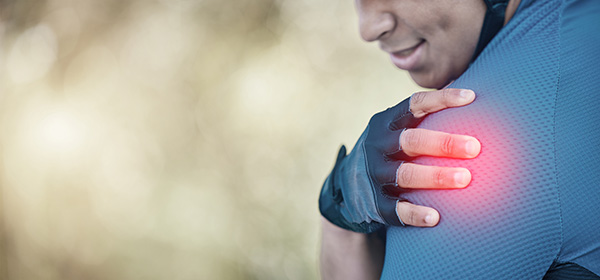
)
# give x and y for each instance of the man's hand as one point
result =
(362, 192)
(418, 142)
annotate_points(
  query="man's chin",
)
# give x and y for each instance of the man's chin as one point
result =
(429, 80)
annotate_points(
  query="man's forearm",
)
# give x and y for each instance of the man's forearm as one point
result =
(350, 255)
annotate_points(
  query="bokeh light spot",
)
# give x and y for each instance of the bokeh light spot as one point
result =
(32, 54)
(60, 131)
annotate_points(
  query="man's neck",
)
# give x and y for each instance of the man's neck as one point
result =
(511, 8)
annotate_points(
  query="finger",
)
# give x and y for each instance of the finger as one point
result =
(415, 176)
(426, 102)
(416, 215)
(419, 141)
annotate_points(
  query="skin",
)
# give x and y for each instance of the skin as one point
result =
(350, 255)
(449, 31)
(447, 27)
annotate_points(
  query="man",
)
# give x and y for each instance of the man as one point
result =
(529, 210)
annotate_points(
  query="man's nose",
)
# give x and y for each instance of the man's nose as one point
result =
(375, 25)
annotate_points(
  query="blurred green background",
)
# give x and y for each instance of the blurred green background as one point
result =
(176, 139)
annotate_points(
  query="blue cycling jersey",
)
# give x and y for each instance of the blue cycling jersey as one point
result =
(535, 195)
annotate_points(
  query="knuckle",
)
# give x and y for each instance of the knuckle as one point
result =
(447, 145)
(412, 140)
(405, 175)
(417, 104)
(413, 216)
(446, 96)
(438, 177)
(417, 99)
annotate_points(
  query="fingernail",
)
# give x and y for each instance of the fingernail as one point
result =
(461, 179)
(429, 219)
(466, 94)
(472, 148)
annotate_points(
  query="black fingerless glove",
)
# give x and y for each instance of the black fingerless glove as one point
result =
(361, 192)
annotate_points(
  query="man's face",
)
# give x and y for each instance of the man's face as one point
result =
(433, 40)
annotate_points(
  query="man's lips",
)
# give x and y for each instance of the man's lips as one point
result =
(407, 59)
(408, 51)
